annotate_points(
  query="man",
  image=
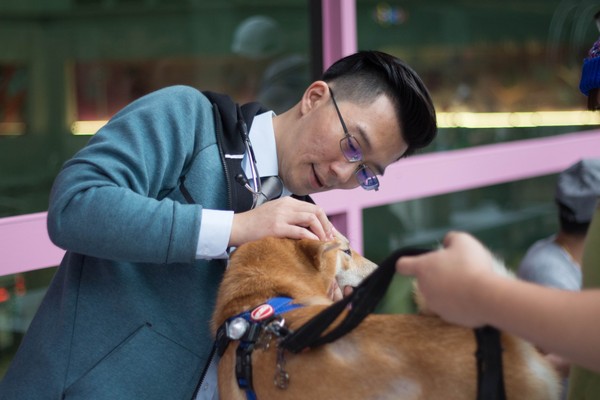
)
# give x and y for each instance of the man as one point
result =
(148, 209)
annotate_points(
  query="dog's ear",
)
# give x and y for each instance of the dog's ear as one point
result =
(315, 250)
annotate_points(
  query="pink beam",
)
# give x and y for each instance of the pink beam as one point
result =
(25, 244)
(452, 171)
(339, 30)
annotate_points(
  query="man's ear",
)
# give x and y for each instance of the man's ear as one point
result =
(315, 93)
(314, 251)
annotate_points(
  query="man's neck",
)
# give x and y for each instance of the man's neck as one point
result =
(572, 244)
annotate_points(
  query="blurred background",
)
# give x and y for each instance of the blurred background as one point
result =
(66, 66)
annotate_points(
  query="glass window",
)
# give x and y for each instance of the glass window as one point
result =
(248, 55)
(519, 61)
(507, 218)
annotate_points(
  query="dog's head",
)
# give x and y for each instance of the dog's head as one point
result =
(300, 269)
(351, 267)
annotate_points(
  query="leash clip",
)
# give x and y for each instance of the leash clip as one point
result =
(277, 327)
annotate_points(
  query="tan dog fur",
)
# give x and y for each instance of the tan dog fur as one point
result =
(385, 357)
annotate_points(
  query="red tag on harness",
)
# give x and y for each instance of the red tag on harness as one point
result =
(261, 312)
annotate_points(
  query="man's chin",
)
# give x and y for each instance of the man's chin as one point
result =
(298, 191)
(315, 190)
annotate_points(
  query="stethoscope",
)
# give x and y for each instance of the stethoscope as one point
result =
(258, 196)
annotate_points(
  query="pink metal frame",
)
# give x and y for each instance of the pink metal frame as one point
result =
(24, 243)
(339, 30)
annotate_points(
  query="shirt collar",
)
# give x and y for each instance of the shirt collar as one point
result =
(262, 137)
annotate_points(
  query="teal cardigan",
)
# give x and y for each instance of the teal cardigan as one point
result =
(127, 313)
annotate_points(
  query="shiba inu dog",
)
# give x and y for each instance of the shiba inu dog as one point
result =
(386, 357)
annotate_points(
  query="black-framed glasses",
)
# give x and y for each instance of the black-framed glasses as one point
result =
(352, 152)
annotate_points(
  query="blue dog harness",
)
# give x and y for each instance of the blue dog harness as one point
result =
(250, 327)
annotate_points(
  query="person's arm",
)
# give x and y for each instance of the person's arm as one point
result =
(109, 200)
(458, 284)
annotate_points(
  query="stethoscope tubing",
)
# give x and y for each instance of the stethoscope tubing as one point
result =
(243, 129)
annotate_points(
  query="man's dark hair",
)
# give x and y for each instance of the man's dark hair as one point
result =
(566, 220)
(363, 76)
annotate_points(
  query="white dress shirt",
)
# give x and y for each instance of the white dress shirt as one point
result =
(216, 224)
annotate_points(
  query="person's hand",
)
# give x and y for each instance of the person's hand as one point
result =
(284, 217)
(335, 293)
(450, 279)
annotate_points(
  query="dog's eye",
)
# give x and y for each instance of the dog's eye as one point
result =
(347, 251)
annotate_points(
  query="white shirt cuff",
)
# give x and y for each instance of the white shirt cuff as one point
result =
(214, 234)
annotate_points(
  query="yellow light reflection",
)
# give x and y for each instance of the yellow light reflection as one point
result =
(458, 120)
(517, 119)
(86, 127)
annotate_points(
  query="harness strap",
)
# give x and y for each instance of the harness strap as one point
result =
(490, 379)
(257, 319)
(231, 143)
(243, 362)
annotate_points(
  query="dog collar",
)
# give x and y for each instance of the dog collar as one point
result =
(247, 327)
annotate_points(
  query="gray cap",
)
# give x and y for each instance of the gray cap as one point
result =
(578, 189)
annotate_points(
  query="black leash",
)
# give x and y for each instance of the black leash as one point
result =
(364, 299)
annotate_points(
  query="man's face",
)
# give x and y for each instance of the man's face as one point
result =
(310, 158)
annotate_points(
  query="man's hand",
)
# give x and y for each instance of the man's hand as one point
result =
(284, 217)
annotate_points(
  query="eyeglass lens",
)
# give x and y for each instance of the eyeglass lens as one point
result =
(351, 149)
(367, 179)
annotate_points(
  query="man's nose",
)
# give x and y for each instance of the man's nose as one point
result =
(343, 171)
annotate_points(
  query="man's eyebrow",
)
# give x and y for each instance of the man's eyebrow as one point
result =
(366, 143)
